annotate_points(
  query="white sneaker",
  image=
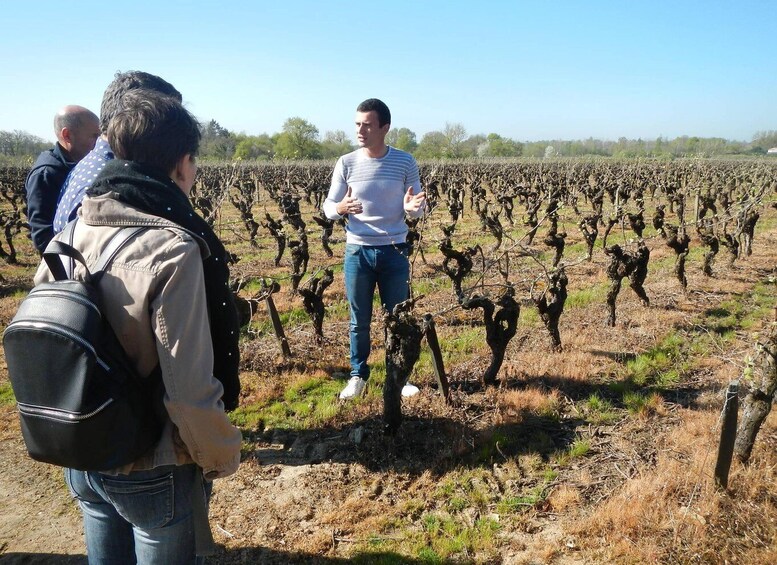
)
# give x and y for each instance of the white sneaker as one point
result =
(410, 390)
(355, 387)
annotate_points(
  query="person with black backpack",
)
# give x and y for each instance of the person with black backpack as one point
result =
(154, 296)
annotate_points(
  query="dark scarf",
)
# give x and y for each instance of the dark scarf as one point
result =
(152, 191)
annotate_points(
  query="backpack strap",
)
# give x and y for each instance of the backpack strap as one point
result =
(61, 269)
(67, 236)
(114, 246)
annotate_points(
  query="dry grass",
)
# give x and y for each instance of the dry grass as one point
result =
(565, 498)
(513, 404)
(672, 512)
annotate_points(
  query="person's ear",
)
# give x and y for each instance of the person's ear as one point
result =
(179, 171)
(67, 138)
(183, 173)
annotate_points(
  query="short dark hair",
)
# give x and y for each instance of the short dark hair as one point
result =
(377, 106)
(123, 83)
(153, 129)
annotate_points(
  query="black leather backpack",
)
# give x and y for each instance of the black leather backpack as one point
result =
(80, 403)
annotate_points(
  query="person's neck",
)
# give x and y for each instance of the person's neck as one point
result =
(376, 152)
(65, 152)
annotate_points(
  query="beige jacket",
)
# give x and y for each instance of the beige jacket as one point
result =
(154, 299)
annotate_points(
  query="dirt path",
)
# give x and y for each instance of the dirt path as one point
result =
(38, 521)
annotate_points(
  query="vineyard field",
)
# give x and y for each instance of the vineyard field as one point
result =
(589, 314)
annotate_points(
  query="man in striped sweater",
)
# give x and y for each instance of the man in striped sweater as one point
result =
(374, 186)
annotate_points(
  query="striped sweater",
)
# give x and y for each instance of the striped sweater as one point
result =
(380, 185)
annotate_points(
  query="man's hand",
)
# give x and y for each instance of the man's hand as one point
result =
(414, 202)
(349, 205)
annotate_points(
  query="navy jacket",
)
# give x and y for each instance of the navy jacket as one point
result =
(43, 184)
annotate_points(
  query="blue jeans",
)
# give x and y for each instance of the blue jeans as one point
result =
(144, 517)
(386, 266)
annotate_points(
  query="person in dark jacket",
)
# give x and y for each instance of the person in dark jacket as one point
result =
(77, 130)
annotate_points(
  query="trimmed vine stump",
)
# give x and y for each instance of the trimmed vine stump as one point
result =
(403, 347)
(761, 381)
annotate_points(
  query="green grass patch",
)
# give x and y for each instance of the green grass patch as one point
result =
(759, 305)
(579, 448)
(579, 248)
(665, 264)
(742, 312)
(469, 342)
(294, 317)
(308, 403)
(464, 489)
(7, 396)
(427, 285)
(297, 316)
(20, 294)
(722, 321)
(516, 504)
(372, 557)
(641, 403)
(429, 556)
(657, 365)
(445, 537)
(247, 417)
(530, 317)
(598, 410)
(337, 310)
(586, 296)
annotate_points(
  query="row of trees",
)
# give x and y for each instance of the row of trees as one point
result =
(18, 144)
(300, 139)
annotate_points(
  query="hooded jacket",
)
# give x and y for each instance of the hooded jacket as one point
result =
(43, 184)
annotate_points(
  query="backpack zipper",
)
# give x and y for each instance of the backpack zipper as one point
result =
(59, 330)
(54, 414)
(67, 295)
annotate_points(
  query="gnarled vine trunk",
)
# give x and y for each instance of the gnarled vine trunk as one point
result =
(403, 347)
(500, 328)
(758, 401)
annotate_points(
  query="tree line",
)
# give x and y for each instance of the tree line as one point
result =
(300, 139)
(19, 145)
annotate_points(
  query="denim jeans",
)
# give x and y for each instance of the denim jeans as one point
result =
(144, 517)
(386, 266)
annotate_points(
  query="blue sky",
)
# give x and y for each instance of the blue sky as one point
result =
(526, 70)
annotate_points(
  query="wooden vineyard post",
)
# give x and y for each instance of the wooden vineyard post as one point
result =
(439, 369)
(277, 326)
(728, 432)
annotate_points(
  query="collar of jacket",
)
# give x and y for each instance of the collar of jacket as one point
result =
(108, 210)
(59, 152)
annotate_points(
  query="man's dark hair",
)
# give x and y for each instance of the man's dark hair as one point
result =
(153, 129)
(123, 83)
(379, 107)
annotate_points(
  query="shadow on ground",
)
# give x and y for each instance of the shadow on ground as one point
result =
(440, 443)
